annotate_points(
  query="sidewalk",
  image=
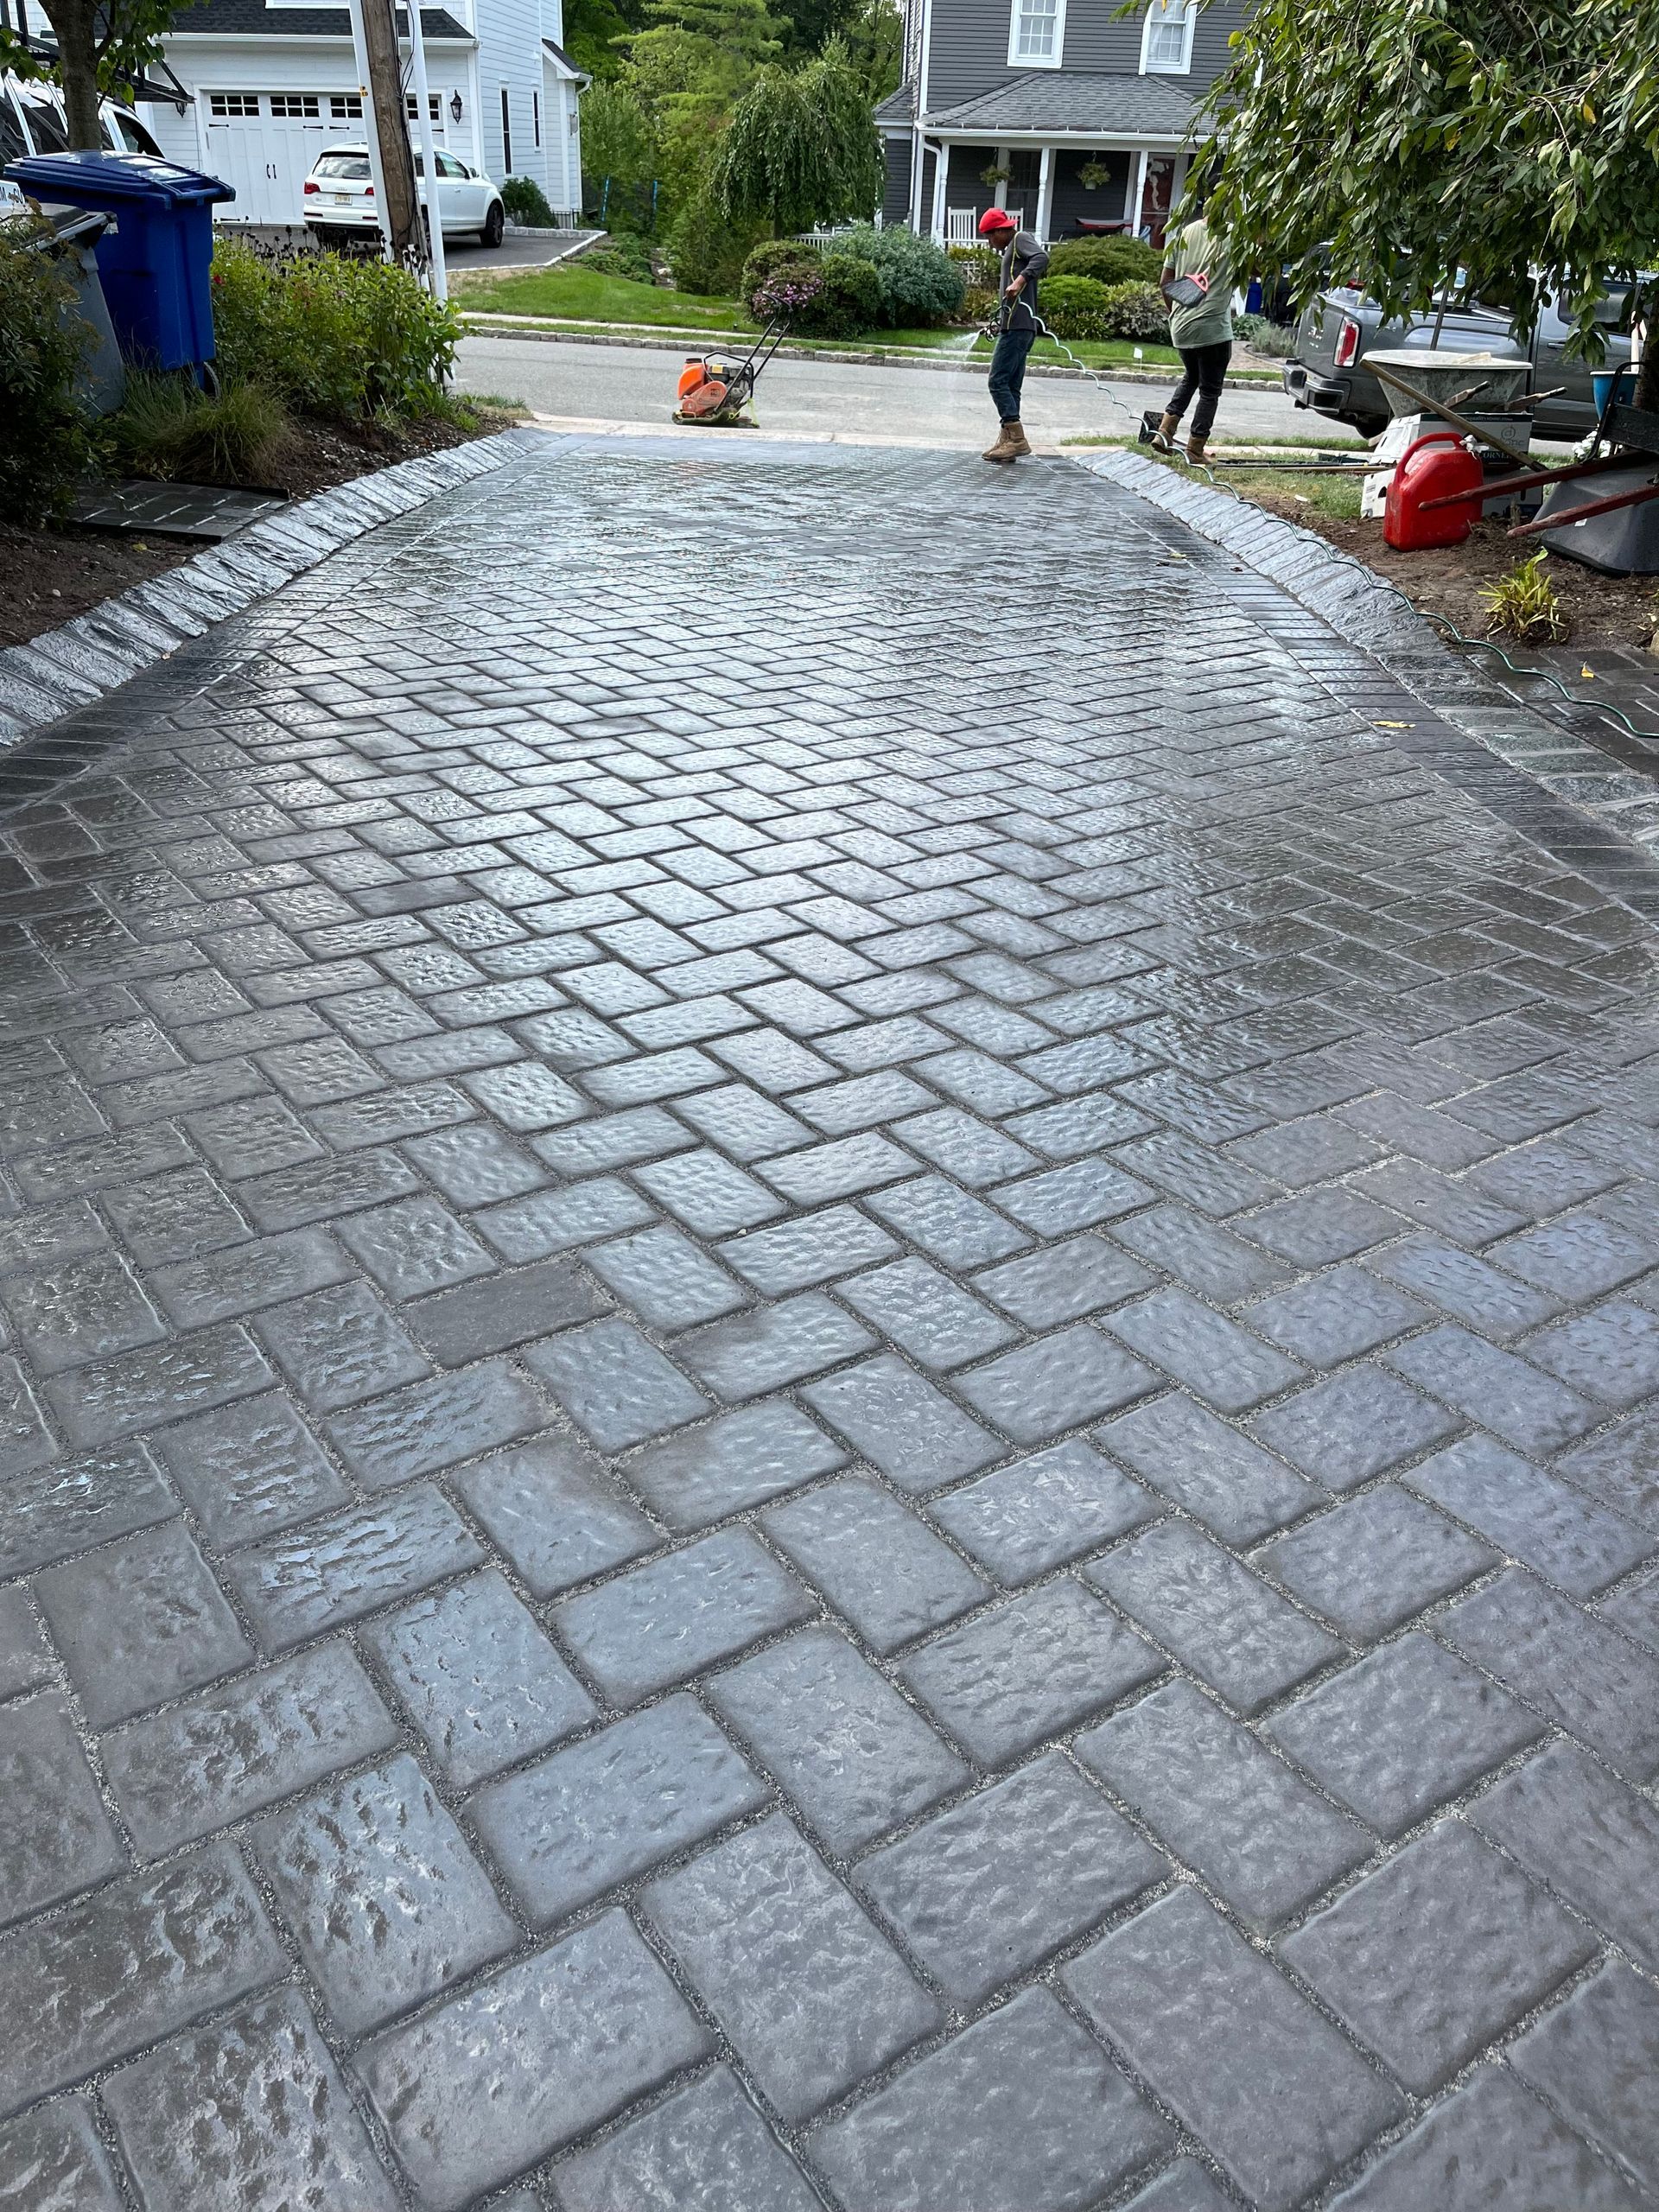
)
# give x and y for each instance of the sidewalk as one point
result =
(832, 1305)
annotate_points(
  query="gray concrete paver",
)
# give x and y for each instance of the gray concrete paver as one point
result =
(829, 1377)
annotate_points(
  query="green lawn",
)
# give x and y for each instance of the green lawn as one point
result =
(586, 295)
(578, 294)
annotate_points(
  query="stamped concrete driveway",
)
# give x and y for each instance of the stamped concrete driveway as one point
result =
(829, 1294)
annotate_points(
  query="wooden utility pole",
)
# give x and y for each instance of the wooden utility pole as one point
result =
(400, 212)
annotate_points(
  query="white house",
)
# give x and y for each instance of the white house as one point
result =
(273, 82)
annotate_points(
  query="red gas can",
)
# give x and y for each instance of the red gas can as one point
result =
(1431, 468)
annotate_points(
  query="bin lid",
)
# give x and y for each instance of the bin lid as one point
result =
(113, 180)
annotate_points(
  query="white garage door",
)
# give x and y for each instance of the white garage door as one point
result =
(263, 144)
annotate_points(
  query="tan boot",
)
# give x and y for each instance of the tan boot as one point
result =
(1195, 450)
(1163, 438)
(1004, 448)
(1017, 441)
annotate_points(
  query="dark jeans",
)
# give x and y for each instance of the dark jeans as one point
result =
(1008, 371)
(1206, 372)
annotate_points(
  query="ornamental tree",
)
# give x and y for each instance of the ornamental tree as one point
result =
(1507, 147)
(801, 148)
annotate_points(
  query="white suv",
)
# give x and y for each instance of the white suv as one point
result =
(340, 198)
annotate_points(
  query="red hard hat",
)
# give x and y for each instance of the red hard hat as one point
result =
(994, 219)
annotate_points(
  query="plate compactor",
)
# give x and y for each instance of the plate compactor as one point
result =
(713, 392)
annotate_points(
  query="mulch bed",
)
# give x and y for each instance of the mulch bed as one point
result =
(48, 575)
(1602, 610)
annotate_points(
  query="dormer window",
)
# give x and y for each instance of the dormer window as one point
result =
(1166, 41)
(1036, 35)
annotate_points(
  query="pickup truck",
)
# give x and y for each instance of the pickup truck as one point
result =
(1327, 371)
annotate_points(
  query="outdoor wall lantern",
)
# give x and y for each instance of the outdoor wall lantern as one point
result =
(454, 107)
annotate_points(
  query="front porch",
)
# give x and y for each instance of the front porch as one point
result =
(1059, 189)
(1067, 152)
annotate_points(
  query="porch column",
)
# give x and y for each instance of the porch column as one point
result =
(1044, 191)
(941, 176)
(1137, 192)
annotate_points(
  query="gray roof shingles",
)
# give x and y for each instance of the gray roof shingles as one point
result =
(252, 19)
(1076, 102)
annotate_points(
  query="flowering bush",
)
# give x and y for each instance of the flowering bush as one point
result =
(786, 296)
(774, 259)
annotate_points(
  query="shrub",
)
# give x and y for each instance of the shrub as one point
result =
(920, 284)
(1524, 604)
(1074, 306)
(978, 264)
(42, 341)
(166, 427)
(978, 303)
(525, 202)
(623, 257)
(777, 260)
(1134, 311)
(1108, 261)
(706, 251)
(1277, 339)
(331, 336)
(847, 299)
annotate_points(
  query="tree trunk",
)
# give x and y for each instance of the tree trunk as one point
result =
(74, 24)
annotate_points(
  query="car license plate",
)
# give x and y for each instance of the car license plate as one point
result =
(341, 198)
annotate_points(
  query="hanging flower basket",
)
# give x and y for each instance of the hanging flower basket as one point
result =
(997, 173)
(1093, 175)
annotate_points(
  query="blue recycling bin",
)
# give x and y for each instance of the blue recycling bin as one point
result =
(155, 259)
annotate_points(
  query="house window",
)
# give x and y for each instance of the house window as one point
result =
(1037, 34)
(536, 115)
(412, 102)
(346, 107)
(297, 107)
(1166, 44)
(506, 135)
(222, 106)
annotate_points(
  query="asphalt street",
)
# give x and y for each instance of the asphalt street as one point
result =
(635, 384)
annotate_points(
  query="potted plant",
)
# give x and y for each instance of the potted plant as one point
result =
(1093, 175)
(998, 173)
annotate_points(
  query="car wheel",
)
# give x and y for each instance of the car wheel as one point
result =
(495, 226)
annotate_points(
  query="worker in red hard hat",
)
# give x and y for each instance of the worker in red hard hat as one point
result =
(1024, 259)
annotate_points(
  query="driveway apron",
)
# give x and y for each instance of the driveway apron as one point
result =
(831, 1314)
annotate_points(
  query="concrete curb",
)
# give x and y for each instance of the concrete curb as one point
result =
(1608, 783)
(72, 667)
(482, 325)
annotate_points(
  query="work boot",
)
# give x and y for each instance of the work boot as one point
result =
(1016, 438)
(1004, 448)
(1195, 450)
(1163, 438)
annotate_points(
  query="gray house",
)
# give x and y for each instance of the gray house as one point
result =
(1074, 117)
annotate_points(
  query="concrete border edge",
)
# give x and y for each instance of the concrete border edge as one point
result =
(66, 670)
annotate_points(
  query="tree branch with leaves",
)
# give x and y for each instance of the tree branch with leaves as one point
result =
(1506, 149)
(104, 47)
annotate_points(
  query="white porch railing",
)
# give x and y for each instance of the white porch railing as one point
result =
(962, 225)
